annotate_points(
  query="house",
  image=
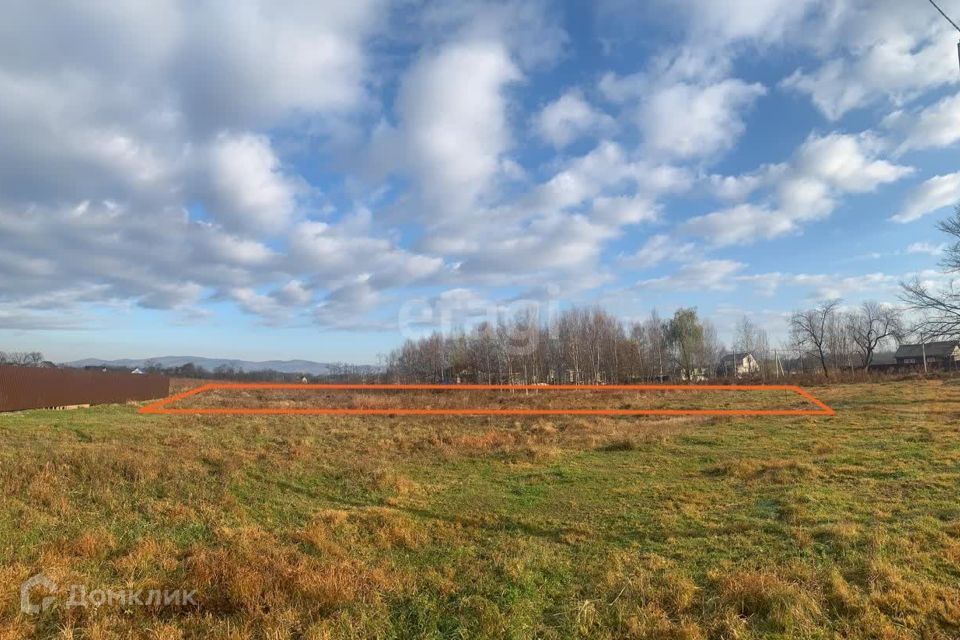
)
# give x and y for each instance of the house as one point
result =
(806, 364)
(738, 365)
(883, 362)
(696, 374)
(939, 355)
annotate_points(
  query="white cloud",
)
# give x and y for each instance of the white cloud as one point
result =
(822, 170)
(146, 163)
(687, 120)
(269, 59)
(107, 102)
(275, 307)
(623, 210)
(452, 309)
(113, 125)
(233, 250)
(684, 106)
(876, 51)
(622, 89)
(346, 306)
(292, 294)
(932, 195)
(556, 242)
(737, 188)
(586, 177)
(453, 112)
(73, 138)
(158, 258)
(558, 231)
(607, 167)
(847, 162)
(568, 118)
(742, 224)
(171, 295)
(248, 190)
(709, 275)
(528, 28)
(933, 127)
(822, 286)
(333, 253)
(718, 23)
(660, 248)
(256, 303)
(927, 247)
(802, 197)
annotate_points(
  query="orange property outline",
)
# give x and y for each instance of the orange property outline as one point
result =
(160, 407)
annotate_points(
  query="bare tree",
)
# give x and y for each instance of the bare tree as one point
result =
(811, 328)
(22, 358)
(638, 338)
(939, 309)
(656, 330)
(871, 325)
(752, 339)
(746, 338)
(951, 257)
(840, 346)
(712, 347)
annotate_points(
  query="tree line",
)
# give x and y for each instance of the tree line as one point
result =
(588, 345)
(21, 358)
(846, 339)
(337, 371)
(578, 346)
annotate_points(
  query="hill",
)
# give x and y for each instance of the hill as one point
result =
(284, 366)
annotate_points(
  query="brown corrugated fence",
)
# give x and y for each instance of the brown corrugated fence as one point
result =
(41, 388)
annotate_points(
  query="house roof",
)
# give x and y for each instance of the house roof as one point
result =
(936, 349)
(730, 358)
(883, 359)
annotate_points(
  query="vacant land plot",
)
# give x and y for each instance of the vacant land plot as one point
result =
(453, 398)
(485, 527)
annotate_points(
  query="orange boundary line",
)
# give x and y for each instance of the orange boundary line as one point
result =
(160, 407)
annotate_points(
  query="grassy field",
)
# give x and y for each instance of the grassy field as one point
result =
(377, 527)
(463, 398)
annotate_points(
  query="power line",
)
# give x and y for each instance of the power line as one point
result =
(944, 14)
(935, 6)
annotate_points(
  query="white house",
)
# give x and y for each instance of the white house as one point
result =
(738, 365)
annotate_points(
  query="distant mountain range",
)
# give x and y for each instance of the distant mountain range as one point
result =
(284, 366)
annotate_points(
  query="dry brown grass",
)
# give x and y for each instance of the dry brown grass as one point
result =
(359, 527)
(459, 398)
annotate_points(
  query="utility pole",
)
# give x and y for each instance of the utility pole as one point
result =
(947, 18)
(923, 350)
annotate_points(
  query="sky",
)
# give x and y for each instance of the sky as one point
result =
(319, 180)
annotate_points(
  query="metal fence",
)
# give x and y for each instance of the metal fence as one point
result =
(41, 388)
